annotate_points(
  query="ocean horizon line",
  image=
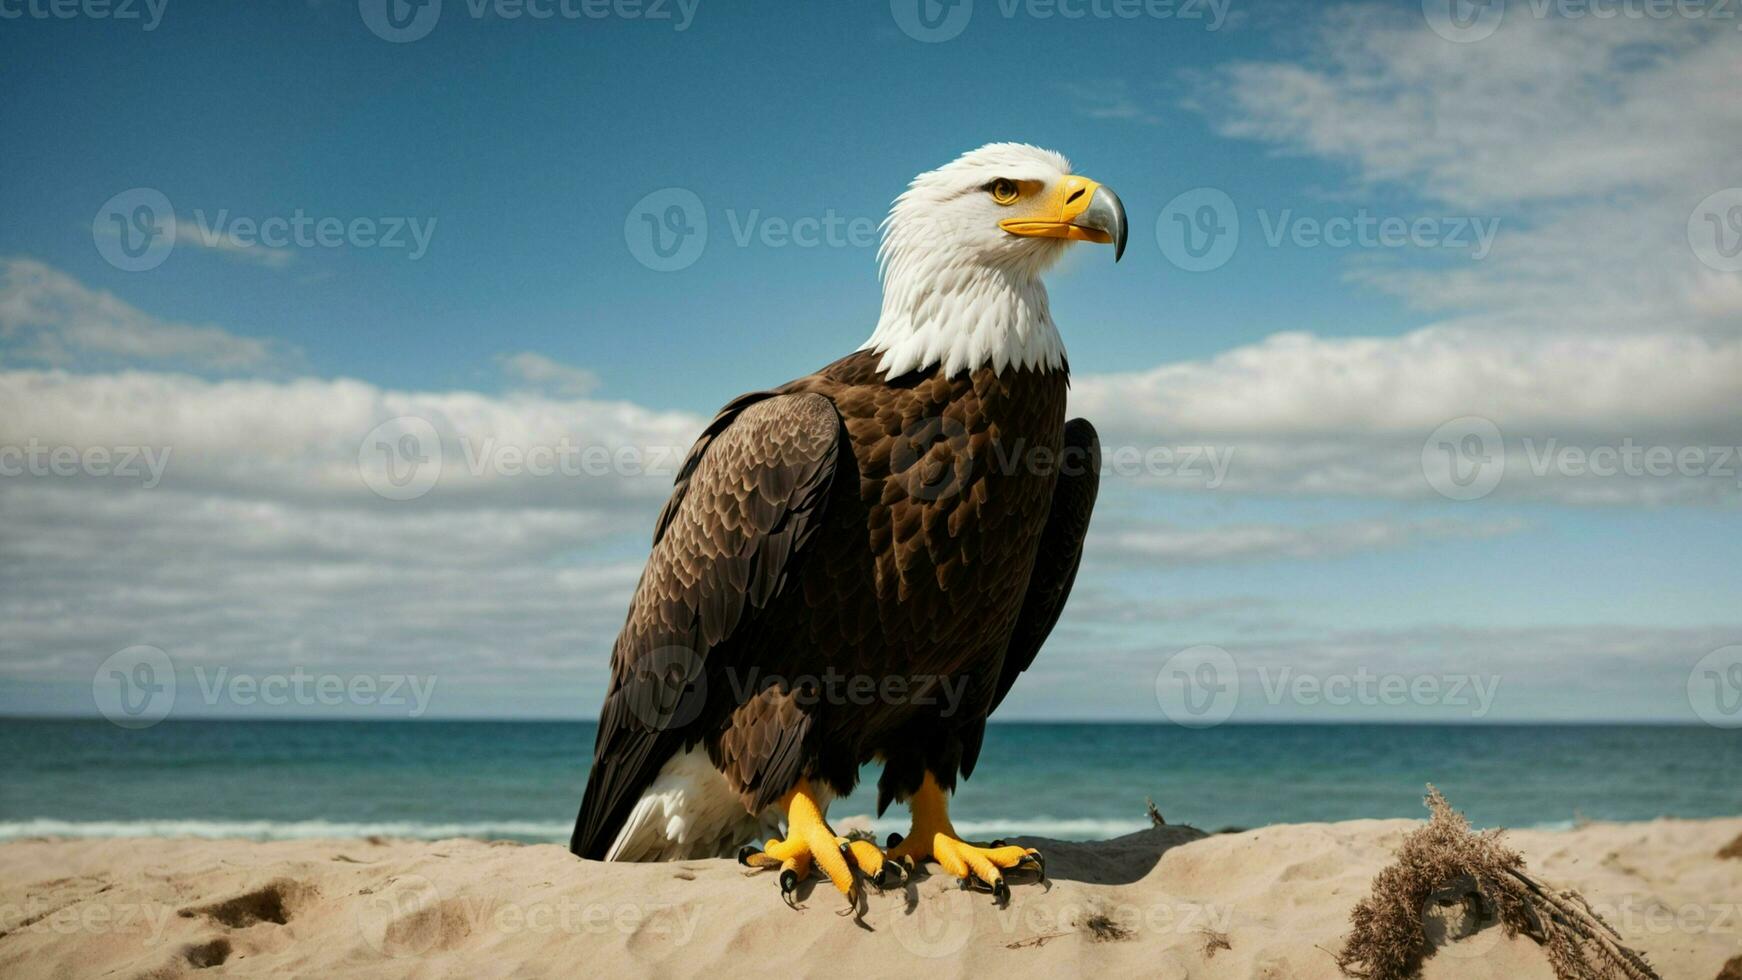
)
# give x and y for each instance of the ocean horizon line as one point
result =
(994, 722)
(557, 832)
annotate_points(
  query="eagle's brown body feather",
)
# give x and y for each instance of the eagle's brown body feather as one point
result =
(850, 567)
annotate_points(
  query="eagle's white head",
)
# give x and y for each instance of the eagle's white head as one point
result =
(963, 250)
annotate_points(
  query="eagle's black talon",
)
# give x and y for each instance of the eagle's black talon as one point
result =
(745, 852)
(894, 840)
(1001, 892)
(889, 876)
(788, 888)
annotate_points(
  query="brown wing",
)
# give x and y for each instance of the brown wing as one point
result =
(1055, 567)
(748, 498)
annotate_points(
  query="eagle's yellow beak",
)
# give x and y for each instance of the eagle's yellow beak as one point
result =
(1078, 209)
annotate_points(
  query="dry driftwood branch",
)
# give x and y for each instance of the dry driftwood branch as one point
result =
(1446, 860)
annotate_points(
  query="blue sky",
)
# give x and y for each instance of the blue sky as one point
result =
(525, 147)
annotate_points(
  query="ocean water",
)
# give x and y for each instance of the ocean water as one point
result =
(523, 780)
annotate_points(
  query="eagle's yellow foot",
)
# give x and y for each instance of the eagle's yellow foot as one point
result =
(811, 844)
(934, 839)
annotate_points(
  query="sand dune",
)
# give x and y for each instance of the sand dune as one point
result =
(1168, 902)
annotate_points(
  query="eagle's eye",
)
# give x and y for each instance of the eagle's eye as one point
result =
(1003, 190)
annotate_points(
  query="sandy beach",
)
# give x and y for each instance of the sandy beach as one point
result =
(1170, 901)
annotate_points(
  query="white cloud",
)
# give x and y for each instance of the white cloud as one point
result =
(48, 317)
(198, 234)
(1151, 545)
(263, 547)
(1591, 327)
(1111, 99)
(541, 373)
(304, 440)
(1299, 414)
(1544, 110)
(491, 601)
(1591, 139)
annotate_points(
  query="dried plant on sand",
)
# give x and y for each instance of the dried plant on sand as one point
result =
(1445, 863)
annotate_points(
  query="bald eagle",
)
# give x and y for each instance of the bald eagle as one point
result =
(857, 565)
